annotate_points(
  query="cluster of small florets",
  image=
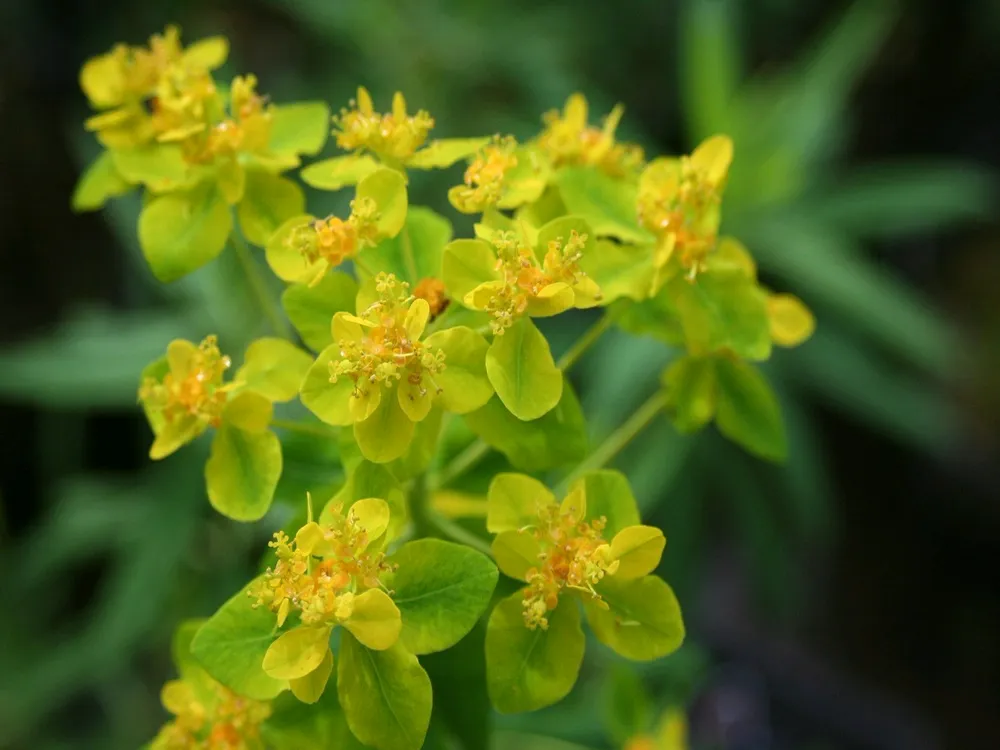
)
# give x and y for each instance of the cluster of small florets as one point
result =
(387, 350)
(484, 177)
(568, 139)
(574, 555)
(334, 239)
(198, 392)
(394, 135)
(231, 722)
(318, 572)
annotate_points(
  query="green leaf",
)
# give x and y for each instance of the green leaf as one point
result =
(338, 172)
(208, 53)
(299, 128)
(274, 368)
(748, 412)
(710, 65)
(723, 309)
(423, 448)
(619, 270)
(513, 502)
(387, 188)
(294, 725)
(160, 167)
(467, 264)
(521, 368)
(609, 205)
(242, 472)
(387, 433)
(269, 200)
(530, 669)
(181, 232)
(643, 620)
(557, 439)
(516, 552)
(310, 688)
(371, 480)
(441, 154)
(386, 695)
(441, 590)
(609, 495)
(691, 392)
(232, 643)
(415, 253)
(311, 308)
(628, 712)
(463, 381)
(328, 401)
(99, 182)
(297, 652)
(638, 550)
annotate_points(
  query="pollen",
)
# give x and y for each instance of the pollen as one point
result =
(395, 135)
(197, 390)
(387, 350)
(573, 555)
(318, 572)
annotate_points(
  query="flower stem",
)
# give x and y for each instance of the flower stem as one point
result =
(304, 428)
(617, 440)
(464, 461)
(427, 522)
(587, 340)
(448, 529)
(259, 288)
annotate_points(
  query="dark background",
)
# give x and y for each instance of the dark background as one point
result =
(849, 600)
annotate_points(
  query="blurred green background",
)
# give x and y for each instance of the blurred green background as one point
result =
(850, 599)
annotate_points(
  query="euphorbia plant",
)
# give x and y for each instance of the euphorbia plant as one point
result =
(400, 333)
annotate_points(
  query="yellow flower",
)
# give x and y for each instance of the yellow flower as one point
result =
(539, 289)
(670, 734)
(569, 140)
(680, 202)
(329, 574)
(484, 178)
(209, 716)
(393, 137)
(187, 394)
(432, 291)
(555, 547)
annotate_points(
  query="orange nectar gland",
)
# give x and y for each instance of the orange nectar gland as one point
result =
(432, 291)
(573, 555)
(233, 724)
(199, 392)
(395, 135)
(320, 591)
(387, 351)
(485, 175)
(525, 280)
(335, 240)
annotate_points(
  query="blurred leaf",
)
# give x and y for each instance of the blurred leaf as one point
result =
(93, 359)
(886, 200)
(458, 677)
(628, 711)
(827, 270)
(710, 65)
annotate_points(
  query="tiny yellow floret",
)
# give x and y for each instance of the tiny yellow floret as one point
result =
(393, 136)
(194, 385)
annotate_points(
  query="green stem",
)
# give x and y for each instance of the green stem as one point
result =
(304, 428)
(587, 340)
(428, 522)
(464, 461)
(448, 529)
(617, 440)
(259, 288)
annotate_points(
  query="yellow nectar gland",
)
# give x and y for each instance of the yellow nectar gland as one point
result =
(681, 208)
(318, 572)
(569, 140)
(198, 392)
(432, 291)
(573, 555)
(484, 178)
(387, 351)
(233, 723)
(524, 279)
(394, 135)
